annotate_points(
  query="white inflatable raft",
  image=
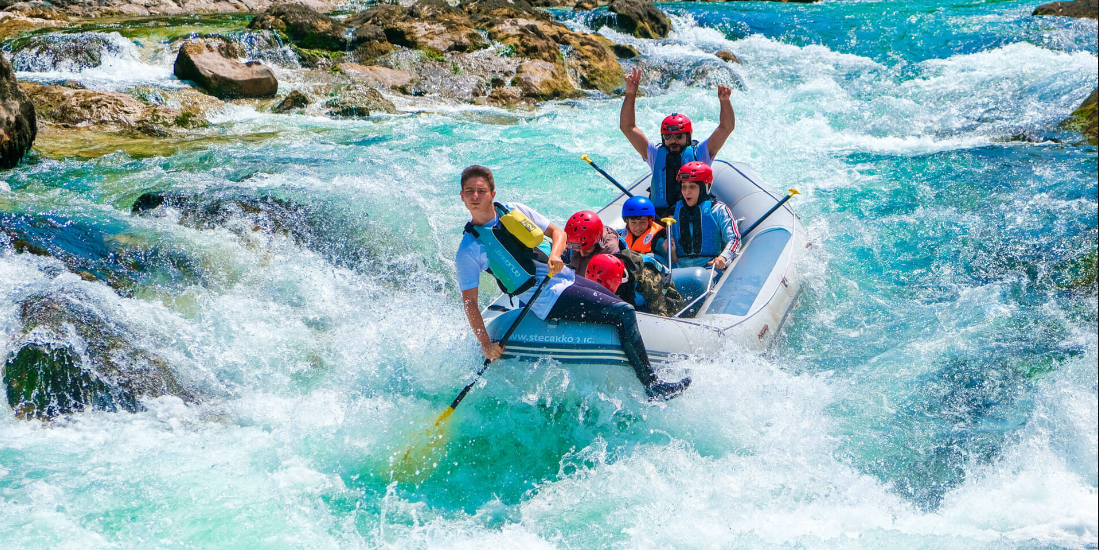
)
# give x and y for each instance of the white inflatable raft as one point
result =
(747, 304)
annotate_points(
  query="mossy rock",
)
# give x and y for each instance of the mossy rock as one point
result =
(1084, 119)
(45, 381)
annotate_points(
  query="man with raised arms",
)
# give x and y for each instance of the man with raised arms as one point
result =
(676, 147)
(510, 253)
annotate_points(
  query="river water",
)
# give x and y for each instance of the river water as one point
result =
(934, 387)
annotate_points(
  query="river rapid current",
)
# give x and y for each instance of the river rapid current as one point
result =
(934, 387)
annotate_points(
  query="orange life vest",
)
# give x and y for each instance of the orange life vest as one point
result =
(644, 243)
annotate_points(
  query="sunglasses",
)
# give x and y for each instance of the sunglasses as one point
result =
(575, 246)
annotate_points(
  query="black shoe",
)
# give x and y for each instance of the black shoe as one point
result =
(663, 391)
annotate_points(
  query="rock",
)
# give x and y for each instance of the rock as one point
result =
(623, 51)
(431, 25)
(68, 52)
(18, 120)
(223, 77)
(104, 8)
(293, 101)
(505, 95)
(47, 377)
(544, 80)
(1085, 9)
(728, 57)
(585, 5)
(306, 27)
(1084, 119)
(377, 76)
(37, 10)
(639, 18)
(590, 56)
(120, 260)
(358, 102)
(108, 111)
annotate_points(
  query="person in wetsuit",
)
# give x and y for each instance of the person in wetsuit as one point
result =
(517, 263)
(676, 146)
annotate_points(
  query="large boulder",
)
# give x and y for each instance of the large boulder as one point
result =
(639, 18)
(591, 57)
(306, 27)
(74, 357)
(18, 121)
(431, 25)
(544, 80)
(222, 77)
(67, 106)
(377, 76)
(1085, 119)
(358, 102)
(1085, 9)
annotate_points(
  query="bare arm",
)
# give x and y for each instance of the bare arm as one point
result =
(627, 120)
(726, 121)
(491, 349)
(556, 249)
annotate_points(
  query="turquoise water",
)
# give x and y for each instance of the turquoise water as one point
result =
(935, 386)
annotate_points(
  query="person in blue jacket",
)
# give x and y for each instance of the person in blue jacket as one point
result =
(705, 233)
(676, 146)
(504, 239)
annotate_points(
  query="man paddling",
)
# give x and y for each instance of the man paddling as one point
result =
(502, 239)
(676, 147)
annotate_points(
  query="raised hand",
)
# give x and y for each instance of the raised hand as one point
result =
(633, 81)
(723, 91)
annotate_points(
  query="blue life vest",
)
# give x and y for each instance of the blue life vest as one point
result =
(510, 261)
(664, 187)
(696, 233)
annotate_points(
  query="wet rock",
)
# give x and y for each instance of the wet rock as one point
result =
(623, 51)
(73, 357)
(318, 59)
(585, 5)
(544, 80)
(728, 57)
(358, 102)
(590, 57)
(99, 251)
(505, 96)
(431, 25)
(18, 120)
(1085, 9)
(639, 18)
(69, 52)
(1085, 119)
(37, 10)
(306, 27)
(377, 76)
(108, 111)
(294, 100)
(223, 77)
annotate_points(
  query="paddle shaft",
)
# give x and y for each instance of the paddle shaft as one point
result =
(765, 216)
(503, 341)
(608, 176)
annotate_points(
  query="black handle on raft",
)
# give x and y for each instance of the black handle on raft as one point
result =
(504, 340)
(606, 175)
(769, 212)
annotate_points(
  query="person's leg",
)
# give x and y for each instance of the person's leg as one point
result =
(589, 302)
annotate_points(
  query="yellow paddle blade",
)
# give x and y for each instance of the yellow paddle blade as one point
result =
(585, 159)
(794, 192)
(423, 455)
(668, 221)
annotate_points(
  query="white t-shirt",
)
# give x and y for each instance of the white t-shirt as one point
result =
(702, 153)
(472, 260)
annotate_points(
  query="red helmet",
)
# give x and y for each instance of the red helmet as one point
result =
(607, 270)
(698, 172)
(584, 230)
(675, 123)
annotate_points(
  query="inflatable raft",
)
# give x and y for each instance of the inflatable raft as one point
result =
(748, 303)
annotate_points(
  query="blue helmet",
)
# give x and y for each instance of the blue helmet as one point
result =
(637, 207)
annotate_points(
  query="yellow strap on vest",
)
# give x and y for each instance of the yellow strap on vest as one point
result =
(522, 228)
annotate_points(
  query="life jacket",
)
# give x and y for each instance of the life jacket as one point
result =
(664, 187)
(510, 261)
(644, 243)
(696, 232)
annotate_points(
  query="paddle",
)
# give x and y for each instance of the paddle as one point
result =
(421, 458)
(769, 212)
(606, 175)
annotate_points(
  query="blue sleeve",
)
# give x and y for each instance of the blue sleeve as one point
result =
(729, 232)
(702, 152)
